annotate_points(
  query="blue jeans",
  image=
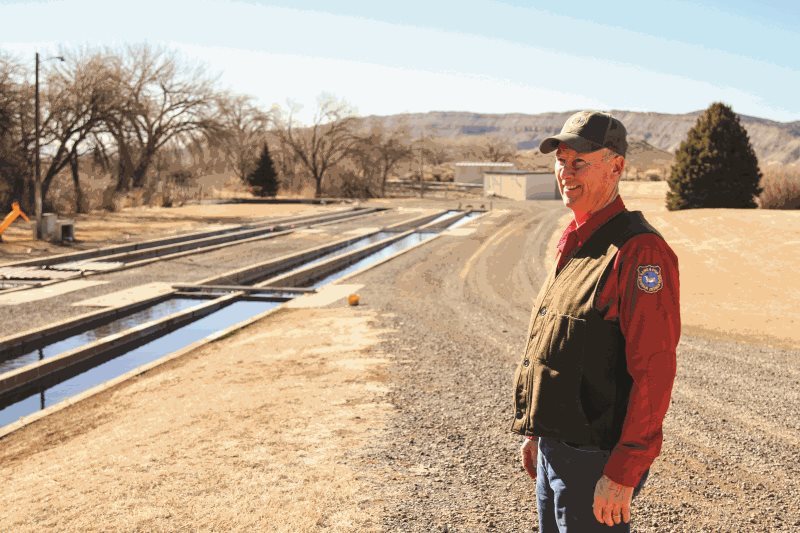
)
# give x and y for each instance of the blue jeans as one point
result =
(565, 481)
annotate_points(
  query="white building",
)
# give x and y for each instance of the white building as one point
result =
(472, 172)
(520, 185)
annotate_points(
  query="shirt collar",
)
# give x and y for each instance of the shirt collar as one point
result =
(584, 231)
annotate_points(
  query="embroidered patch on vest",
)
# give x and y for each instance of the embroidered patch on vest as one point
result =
(648, 278)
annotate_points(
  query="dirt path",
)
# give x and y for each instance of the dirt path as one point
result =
(257, 432)
(730, 458)
(457, 339)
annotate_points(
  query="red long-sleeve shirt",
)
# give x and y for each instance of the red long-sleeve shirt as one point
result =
(649, 318)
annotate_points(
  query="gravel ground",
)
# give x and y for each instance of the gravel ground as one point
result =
(454, 313)
(187, 269)
(456, 342)
(732, 447)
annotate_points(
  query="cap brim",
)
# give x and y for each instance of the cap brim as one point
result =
(577, 143)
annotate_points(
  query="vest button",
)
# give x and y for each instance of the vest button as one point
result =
(519, 414)
(542, 311)
(526, 362)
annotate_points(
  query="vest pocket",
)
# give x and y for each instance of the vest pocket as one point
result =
(567, 343)
(556, 381)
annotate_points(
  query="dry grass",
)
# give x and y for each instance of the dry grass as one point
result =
(781, 188)
(734, 265)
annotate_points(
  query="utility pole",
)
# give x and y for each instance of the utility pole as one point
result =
(37, 171)
(421, 166)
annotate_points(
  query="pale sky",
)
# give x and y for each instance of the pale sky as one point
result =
(479, 56)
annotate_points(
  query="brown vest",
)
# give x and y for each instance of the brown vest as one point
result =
(572, 383)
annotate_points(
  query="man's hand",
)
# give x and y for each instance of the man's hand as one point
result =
(529, 452)
(612, 502)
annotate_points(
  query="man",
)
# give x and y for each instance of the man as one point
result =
(594, 383)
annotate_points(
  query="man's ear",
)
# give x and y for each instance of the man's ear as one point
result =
(617, 166)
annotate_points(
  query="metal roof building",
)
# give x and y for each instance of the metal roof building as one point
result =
(520, 185)
(472, 171)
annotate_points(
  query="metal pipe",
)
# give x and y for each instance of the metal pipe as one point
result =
(37, 189)
(37, 176)
(242, 288)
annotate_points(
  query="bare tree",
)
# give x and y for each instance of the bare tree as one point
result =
(16, 126)
(287, 163)
(378, 154)
(242, 131)
(498, 149)
(325, 143)
(78, 96)
(436, 151)
(159, 101)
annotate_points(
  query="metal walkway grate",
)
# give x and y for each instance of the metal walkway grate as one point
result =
(95, 266)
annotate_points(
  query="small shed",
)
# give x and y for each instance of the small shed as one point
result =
(472, 171)
(521, 185)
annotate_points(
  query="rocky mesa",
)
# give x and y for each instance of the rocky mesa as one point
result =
(774, 142)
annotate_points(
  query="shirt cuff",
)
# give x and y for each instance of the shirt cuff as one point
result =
(625, 468)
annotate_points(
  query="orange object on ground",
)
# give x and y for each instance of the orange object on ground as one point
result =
(353, 299)
(11, 217)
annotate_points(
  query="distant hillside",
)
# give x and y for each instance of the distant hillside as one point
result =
(774, 142)
(643, 160)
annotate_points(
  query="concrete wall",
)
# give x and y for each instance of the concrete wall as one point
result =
(473, 172)
(522, 186)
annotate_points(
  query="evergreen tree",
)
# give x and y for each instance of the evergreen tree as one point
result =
(715, 165)
(263, 179)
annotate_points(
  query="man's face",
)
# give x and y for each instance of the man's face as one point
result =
(587, 181)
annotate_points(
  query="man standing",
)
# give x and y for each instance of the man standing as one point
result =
(594, 383)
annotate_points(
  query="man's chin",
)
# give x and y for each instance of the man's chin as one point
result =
(577, 211)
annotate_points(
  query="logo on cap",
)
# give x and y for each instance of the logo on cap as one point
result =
(577, 122)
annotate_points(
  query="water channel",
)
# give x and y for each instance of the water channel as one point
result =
(81, 377)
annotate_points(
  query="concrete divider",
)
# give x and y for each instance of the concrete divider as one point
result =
(437, 226)
(237, 237)
(266, 268)
(188, 288)
(142, 333)
(19, 343)
(303, 276)
(414, 222)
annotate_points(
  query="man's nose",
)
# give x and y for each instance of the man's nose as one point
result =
(566, 172)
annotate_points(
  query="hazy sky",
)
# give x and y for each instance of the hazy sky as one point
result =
(481, 56)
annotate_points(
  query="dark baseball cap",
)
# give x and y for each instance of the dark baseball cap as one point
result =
(588, 131)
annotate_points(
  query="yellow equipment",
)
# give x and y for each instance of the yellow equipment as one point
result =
(11, 217)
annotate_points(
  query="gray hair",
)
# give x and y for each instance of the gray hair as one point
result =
(609, 154)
